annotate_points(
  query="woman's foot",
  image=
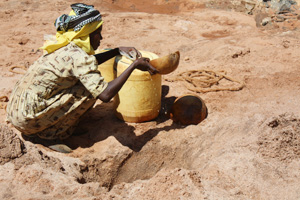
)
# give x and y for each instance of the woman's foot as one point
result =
(56, 145)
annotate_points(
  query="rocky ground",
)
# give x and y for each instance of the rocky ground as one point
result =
(247, 148)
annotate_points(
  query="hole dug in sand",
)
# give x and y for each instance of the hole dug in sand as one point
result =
(129, 166)
(135, 151)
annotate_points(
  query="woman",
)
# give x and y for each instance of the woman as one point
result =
(63, 84)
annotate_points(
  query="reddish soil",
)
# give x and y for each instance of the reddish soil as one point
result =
(247, 147)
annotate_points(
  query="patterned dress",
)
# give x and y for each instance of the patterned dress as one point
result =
(55, 92)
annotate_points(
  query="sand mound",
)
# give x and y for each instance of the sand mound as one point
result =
(282, 141)
(11, 146)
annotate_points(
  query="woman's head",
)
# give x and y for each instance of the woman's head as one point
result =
(82, 26)
(80, 16)
(96, 37)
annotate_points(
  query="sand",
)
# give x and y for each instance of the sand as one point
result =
(247, 148)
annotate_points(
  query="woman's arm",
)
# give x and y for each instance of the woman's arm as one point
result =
(115, 85)
(102, 57)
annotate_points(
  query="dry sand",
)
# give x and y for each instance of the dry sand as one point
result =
(247, 148)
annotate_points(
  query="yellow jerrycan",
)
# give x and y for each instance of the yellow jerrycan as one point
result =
(139, 99)
(107, 68)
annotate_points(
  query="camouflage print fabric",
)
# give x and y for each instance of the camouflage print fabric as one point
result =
(55, 92)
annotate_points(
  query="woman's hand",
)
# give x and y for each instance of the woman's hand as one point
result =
(144, 65)
(130, 52)
(115, 85)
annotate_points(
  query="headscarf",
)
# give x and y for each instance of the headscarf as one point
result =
(76, 27)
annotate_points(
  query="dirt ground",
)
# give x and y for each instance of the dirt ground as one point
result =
(247, 148)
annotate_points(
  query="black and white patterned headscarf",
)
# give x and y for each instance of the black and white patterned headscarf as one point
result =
(85, 14)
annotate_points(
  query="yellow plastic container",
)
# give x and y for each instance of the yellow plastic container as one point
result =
(139, 99)
(107, 68)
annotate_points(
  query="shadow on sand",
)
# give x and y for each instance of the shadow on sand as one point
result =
(101, 123)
